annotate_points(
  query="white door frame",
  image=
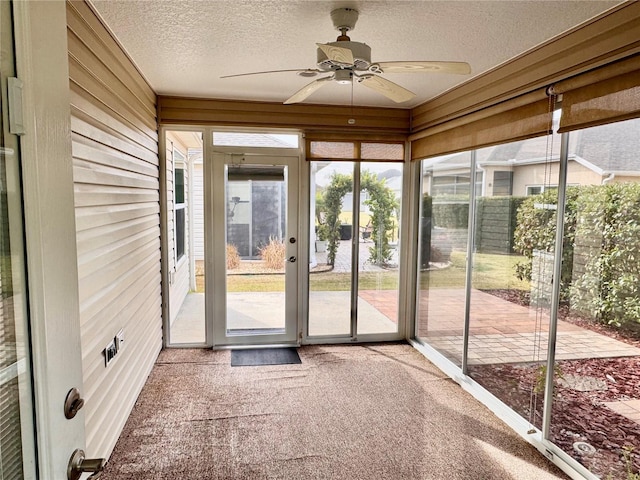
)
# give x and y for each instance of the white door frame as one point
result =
(215, 208)
(50, 233)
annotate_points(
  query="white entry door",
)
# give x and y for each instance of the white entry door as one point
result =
(254, 207)
(40, 355)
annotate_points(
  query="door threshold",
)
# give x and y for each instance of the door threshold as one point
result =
(250, 346)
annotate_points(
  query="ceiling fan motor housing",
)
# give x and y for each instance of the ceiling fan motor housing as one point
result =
(361, 56)
(344, 18)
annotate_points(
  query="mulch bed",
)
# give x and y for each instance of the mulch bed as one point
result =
(577, 416)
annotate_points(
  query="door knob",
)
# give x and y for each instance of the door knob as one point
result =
(78, 465)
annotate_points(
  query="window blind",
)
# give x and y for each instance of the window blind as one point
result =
(603, 95)
(354, 151)
(494, 125)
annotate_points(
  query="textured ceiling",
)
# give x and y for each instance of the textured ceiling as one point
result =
(182, 46)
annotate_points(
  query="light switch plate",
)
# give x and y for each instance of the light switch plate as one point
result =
(119, 340)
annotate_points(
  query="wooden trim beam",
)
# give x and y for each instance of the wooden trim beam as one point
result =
(199, 111)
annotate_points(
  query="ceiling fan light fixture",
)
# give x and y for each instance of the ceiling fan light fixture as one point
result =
(343, 77)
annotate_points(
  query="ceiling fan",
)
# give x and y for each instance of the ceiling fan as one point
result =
(346, 61)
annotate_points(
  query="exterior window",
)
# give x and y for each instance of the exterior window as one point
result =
(179, 212)
(537, 189)
(502, 183)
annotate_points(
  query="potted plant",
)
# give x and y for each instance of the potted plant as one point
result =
(321, 238)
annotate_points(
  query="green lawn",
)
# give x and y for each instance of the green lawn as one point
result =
(490, 271)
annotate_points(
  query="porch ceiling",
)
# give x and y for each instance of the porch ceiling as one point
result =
(183, 46)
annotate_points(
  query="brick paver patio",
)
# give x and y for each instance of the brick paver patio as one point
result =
(504, 332)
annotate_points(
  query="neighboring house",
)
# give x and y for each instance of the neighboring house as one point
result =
(596, 156)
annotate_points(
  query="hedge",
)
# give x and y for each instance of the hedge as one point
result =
(601, 248)
(608, 253)
(496, 220)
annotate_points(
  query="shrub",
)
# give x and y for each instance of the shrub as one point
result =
(536, 231)
(608, 236)
(426, 251)
(233, 258)
(273, 254)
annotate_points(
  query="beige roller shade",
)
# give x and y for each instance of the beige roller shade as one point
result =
(523, 121)
(604, 95)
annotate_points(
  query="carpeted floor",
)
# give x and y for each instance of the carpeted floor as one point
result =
(347, 412)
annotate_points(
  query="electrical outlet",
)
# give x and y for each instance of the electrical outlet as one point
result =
(119, 340)
(109, 352)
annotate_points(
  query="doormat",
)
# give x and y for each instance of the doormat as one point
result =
(264, 356)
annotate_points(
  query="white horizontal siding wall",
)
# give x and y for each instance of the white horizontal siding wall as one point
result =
(198, 211)
(178, 270)
(116, 178)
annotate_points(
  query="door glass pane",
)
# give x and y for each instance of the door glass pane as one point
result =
(331, 251)
(185, 217)
(512, 269)
(596, 401)
(378, 235)
(256, 228)
(446, 189)
(17, 452)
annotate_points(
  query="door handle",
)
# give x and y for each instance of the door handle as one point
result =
(78, 465)
(291, 259)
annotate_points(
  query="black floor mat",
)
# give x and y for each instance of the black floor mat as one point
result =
(264, 356)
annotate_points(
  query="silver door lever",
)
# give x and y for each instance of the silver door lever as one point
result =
(78, 465)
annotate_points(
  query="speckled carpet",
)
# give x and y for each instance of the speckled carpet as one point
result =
(347, 412)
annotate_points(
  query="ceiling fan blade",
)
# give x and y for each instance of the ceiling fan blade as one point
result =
(460, 68)
(387, 88)
(307, 90)
(308, 71)
(340, 55)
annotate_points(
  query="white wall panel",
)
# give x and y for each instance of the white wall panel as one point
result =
(117, 199)
(198, 211)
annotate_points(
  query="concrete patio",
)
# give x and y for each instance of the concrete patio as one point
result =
(329, 314)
